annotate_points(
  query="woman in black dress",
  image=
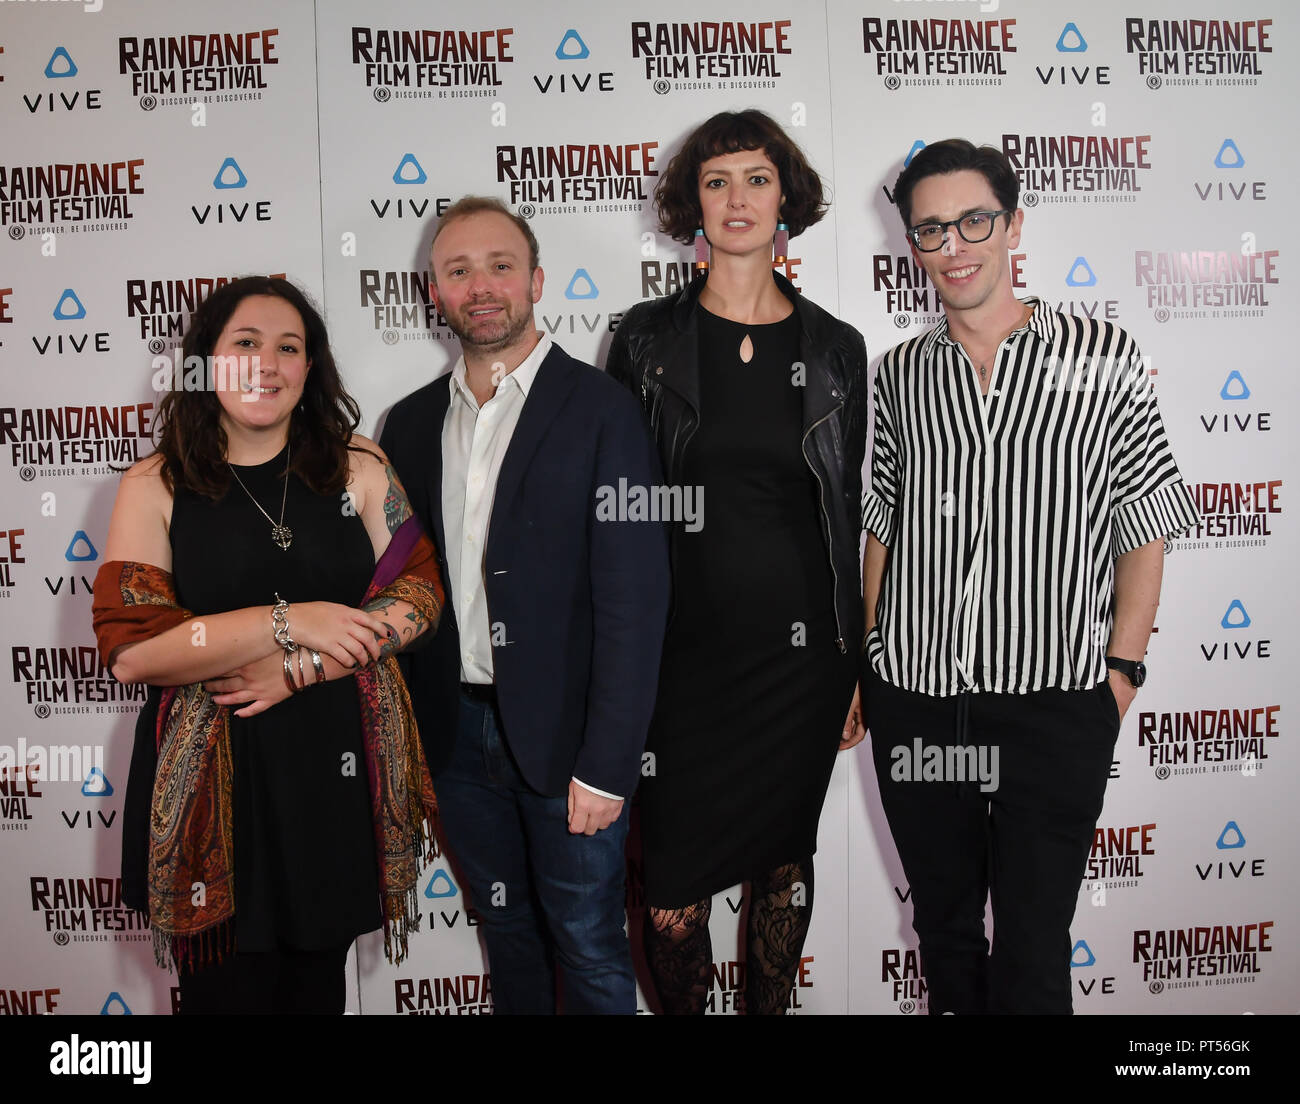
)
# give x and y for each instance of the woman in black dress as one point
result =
(758, 398)
(257, 525)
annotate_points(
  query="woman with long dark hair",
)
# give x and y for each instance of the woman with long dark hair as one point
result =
(758, 397)
(263, 566)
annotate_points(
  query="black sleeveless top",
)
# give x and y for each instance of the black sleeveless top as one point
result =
(306, 876)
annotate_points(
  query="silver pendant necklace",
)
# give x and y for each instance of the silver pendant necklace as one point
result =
(281, 534)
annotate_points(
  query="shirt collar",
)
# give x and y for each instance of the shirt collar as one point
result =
(1042, 323)
(523, 376)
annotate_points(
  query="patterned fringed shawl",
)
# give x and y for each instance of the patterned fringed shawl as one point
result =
(191, 831)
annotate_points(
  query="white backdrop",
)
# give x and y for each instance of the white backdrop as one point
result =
(320, 141)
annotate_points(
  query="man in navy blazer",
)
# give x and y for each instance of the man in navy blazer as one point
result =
(535, 696)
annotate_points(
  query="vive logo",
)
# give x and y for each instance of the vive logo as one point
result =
(73, 556)
(441, 879)
(1080, 275)
(917, 147)
(1081, 955)
(1234, 387)
(581, 286)
(571, 47)
(1229, 156)
(1230, 838)
(69, 306)
(222, 181)
(96, 784)
(64, 59)
(1235, 616)
(115, 999)
(1071, 40)
(409, 171)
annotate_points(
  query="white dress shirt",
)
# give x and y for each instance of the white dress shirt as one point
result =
(475, 440)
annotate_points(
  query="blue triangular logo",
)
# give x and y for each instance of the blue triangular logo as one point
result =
(69, 66)
(221, 180)
(80, 557)
(445, 886)
(115, 999)
(1081, 955)
(571, 47)
(1080, 274)
(1234, 387)
(1242, 621)
(63, 311)
(917, 147)
(417, 174)
(581, 286)
(1071, 40)
(1229, 156)
(96, 784)
(1230, 837)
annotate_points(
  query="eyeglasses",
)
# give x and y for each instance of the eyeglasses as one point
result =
(974, 228)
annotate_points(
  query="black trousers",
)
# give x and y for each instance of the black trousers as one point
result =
(1018, 830)
(280, 982)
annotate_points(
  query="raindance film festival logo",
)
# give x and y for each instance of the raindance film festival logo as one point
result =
(162, 308)
(1206, 283)
(1209, 52)
(908, 297)
(1233, 515)
(727, 987)
(1116, 857)
(1189, 958)
(20, 789)
(84, 910)
(1078, 168)
(198, 68)
(397, 305)
(1208, 741)
(949, 52)
(902, 970)
(69, 197)
(74, 440)
(578, 178)
(696, 57)
(459, 995)
(60, 681)
(432, 64)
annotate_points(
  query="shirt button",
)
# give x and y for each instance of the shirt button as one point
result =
(469, 538)
(659, 371)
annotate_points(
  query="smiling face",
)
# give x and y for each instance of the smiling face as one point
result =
(483, 284)
(261, 395)
(740, 199)
(969, 278)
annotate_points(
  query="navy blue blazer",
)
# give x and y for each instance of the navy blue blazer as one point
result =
(582, 603)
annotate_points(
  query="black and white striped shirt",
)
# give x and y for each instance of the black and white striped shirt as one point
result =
(1003, 513)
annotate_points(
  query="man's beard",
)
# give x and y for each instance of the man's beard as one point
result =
(499, 335)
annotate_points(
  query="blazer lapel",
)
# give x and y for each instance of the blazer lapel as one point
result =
(551, 387)
(433, 473)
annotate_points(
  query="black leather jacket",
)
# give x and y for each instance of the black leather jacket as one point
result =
(656, 354)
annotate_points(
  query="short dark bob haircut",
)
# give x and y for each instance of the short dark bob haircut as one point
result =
(190, 437)
(677, 196)
(958, 155)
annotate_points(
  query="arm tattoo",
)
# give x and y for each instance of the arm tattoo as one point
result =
(396, 508)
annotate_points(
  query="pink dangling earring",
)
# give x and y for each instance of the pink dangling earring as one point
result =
(701, 253)
(780, 244)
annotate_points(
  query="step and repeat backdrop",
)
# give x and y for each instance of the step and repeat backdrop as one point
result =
(154, 149)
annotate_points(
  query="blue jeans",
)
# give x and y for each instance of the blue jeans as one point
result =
(542, 894)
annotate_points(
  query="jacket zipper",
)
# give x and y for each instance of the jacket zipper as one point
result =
(821, 505)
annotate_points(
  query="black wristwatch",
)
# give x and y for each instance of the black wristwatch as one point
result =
(1136, 673)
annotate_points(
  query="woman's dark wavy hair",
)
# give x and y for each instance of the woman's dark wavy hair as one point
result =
(190, 437)
(677, 196)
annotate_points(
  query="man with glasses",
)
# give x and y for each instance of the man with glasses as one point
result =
(1021, 490)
